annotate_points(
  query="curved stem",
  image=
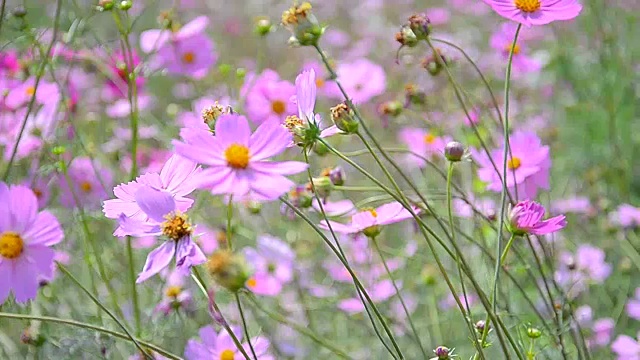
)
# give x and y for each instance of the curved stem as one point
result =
(79, 324)
(245, 328)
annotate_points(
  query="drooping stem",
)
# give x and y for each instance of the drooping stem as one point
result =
(245, 328)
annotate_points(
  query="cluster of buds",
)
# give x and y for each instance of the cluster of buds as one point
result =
(303, 25)
(107, 5)
(211, 114)
(229, 270)
(416, 29)
(344, 118)
(435, 63)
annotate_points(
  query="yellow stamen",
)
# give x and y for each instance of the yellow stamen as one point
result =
(319, 82)
(189, 57)
(252, 282)
(227, 355)
(516, 49)
(237, 156)
(30, 90)
(514, 163)
(176, 226)
(11, 245)
(278, 107)
(528, 6)
(86, 186)
(173, 291)
(429, 138)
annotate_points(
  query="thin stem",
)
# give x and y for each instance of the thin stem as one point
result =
(404, 306)
(506, 250)
(104, 308)
(132, 283)
(195, 275)
(229, 218)
(79, 324)
(245, 328)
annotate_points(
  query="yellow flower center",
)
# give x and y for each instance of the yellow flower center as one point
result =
(373, 212)
(516, 49)
(278, 107)
(429, 138)
(319, 82)
(176, 226)
(237, 156)
(528, 6)
(227, 355)
(11, 245)
(514, 163)
(252, 282)
(86, 186)
(189, 57)
(30, 90)
(173, 291)
(38, 193)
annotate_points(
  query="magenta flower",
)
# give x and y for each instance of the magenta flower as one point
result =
(177, 177)
(362, 80)
(588, 266)
(526, 218)
(626, 348)
(272, 263)
(220, 345)
(379, 292)
(602, 331)
(88, 180)
(527, 168)
(368, 222)
(46, 93)
(163, 219)
(155, 39)
(117, 85)
(423, 144)
(536, 12)
(238, 160)
(26, 237)
(268, 97)
(633, 306)
(576, 204)
(502, 40)
(626, 216)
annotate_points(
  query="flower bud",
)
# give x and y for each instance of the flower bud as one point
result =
(336, 175)
(454, 151)
(254, 207)
(303, 25)
(413, 95)
(19, 11)
(419, 24)
(533, 333)
(442, 352)
(480, 325)
(433, 64)
(406, 37)
(344, 118)
(391, 108)
(229, 270)
(125, 5)
(263, 26)
(105, 5)
(320, 149)
(211, 114)
(323, 186)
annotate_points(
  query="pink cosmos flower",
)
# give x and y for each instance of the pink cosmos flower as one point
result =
(162, 219)
(422, 143)
(267, 97)
(272, 263)
(39, 127)
(220, 345)
(46, 93)
(175, 296)
(117, 85)
(526, 218)
(323, 83)
(305, 100)
(602, 332)
(588, 266)
(369, 221)
(528, 165)
(626, 348)
(361, 79)
(576, 204)
(536, 12)
(237, 159)
(89, 179)
(633, 306)
(41, 189)
(192, 56)
(502, 40)
(177, 178)
(26, 237)
(450, 302)
(486, 207)
(626, 216)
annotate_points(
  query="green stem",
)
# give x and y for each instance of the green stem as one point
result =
(132, 283)
(104, 308)
(506, 250)
(195, 275)
(79, 324)
(245, 328)
(404, 306)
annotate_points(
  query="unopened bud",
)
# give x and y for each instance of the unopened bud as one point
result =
(454, 151)
(337, 176)
(480, 326)
(406, 37)
(19, 11)
(533, 333)
(419, 24)
(391, 108)
(442, 352)
(125, 5)
(344, 118)
(263, 26)
(105, 5)
(323, 186)
(229, 270)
